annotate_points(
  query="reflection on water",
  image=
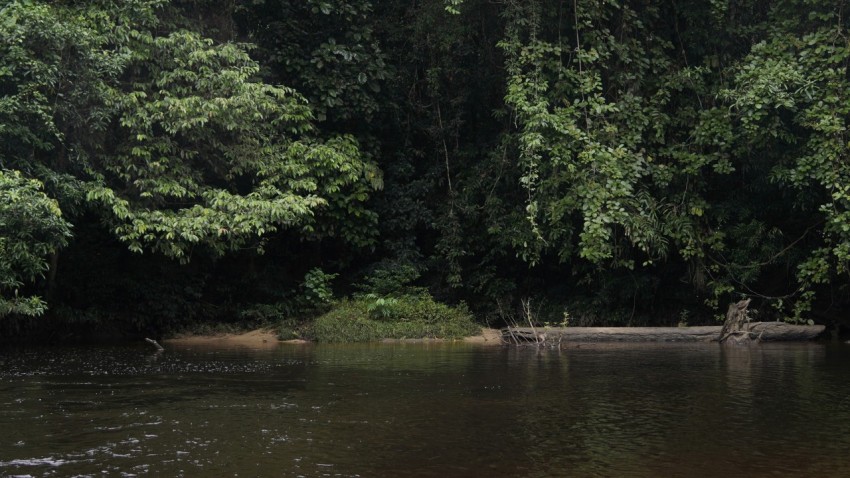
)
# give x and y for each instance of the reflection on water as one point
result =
(453, 410)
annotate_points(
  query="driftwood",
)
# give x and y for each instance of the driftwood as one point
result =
(766, 331)
(523, 335)
(610, 334)
(781, 331)
(153, 342)
(735, 328)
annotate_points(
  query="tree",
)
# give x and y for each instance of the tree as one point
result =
(31, 229)
(208, 157)
(703, 139)
(166, 137)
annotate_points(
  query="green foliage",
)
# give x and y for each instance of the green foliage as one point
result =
(178, 145)
(586, 135)
(197, 120)
(339, 65)
(313, 295)
(317, 287)
(637, 140)
(452, 6)
(627, 160)
(390, 277)
(381, 307)
(168, 138)
(31, 229)
(409, 318)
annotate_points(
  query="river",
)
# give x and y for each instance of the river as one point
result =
(426, 410)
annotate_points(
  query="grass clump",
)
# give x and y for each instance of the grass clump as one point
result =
(370, 318)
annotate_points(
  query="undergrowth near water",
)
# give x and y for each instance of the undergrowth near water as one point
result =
(370, 318)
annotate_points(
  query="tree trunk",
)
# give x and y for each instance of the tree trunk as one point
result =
(51, 277)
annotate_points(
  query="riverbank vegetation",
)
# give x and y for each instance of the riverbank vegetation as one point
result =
(369, 319)
(374, 168)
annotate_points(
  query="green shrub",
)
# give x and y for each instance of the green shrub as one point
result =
(288, 316)
(406, 317)
(391, 277)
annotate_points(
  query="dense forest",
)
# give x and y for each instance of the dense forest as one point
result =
(165, 164)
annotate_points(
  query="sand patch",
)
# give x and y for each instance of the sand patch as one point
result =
(487, 337)
(260, 338)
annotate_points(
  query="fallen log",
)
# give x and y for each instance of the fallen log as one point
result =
(781, 331)
(765, 331)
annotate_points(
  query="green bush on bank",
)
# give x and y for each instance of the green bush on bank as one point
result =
(371, 318)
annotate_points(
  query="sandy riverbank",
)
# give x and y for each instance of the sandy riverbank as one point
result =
(260, 338)
(267, 338)
(486, 337)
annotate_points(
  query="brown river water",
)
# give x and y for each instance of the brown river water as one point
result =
(427, 410)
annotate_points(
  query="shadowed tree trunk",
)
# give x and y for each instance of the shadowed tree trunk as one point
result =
(51, 277)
